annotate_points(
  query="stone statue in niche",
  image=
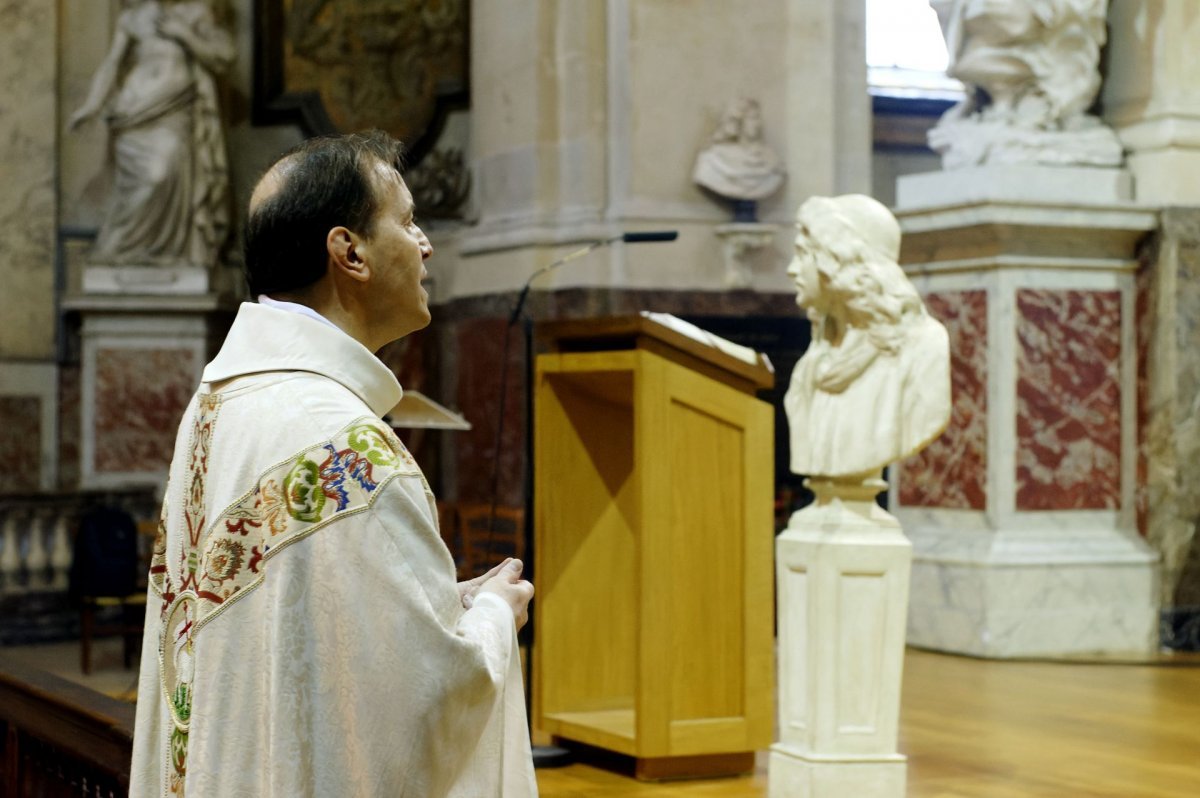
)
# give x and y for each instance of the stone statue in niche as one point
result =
(737, 165)
(1031, 68)
(874, 385)
(157, 92)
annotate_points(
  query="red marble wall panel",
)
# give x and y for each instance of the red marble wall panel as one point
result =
(1068, 400)
(140, 398)
(68, 426)
(952, 471)
(20, 443)
(1144, 321)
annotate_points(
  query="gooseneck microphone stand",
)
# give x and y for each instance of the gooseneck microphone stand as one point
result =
(543, 756)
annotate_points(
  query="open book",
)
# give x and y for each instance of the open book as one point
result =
(743, 353)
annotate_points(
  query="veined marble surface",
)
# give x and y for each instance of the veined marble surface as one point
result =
(29, 424)
(1068, 400)
(140, 397)
(1051, 564)
(28, 39)
(139, 371)
(952, 471)
(1169, 403)
(20, 442)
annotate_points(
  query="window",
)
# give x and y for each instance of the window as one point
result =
(906, 55)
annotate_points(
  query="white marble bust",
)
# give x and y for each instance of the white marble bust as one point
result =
(874, 385)
(737, 164)
(1031, 68)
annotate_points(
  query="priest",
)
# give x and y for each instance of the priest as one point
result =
(305, 635)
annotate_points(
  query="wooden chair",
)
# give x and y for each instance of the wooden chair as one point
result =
(479, 548)
(118, 581)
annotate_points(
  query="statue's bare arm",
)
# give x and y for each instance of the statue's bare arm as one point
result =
(104, 80)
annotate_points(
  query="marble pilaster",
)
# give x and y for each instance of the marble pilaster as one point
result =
(28, 40)
(1152, 99)
(1169, 411)
(1022, 516)
(842, 572)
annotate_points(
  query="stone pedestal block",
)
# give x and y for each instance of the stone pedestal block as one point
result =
(141, 361)
(842, 570)
(1022, 515)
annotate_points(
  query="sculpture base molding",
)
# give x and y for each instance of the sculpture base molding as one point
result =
(744, 243)
(101, 279)
(1021, 592)
(796, 775)
(842, 570)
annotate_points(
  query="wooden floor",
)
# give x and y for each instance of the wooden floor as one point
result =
(970, 728)
(973, 728)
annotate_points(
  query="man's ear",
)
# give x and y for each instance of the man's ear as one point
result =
(346, 254)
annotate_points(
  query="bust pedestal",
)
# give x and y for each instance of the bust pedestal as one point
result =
(842, 569)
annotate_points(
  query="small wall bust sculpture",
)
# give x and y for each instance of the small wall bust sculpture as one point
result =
(1032, 71)
(874, 385)
(737, 165)
(156, 88)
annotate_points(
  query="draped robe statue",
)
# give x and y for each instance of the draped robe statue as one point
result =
(157, 92)
(1031, 68)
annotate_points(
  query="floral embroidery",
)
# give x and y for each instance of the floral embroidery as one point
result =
(271, 505)
(340, 466)
(303, 490)
(226, 559)
(373, 444)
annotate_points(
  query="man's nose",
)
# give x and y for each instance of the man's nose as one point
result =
(426, 247)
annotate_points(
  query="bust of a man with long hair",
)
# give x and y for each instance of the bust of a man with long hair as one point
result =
(874, 385)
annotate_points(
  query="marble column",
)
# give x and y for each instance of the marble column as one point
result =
(1022, 515)
(1152, 99)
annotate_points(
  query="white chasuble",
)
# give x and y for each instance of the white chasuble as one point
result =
(304, 632)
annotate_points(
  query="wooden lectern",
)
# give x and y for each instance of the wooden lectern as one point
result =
(653, 547)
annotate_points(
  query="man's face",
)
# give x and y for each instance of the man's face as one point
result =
(396, 252)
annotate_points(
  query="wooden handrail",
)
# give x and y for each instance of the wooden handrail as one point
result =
(61, 738)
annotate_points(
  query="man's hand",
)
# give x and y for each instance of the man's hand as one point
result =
(508, 585)
(468, 589)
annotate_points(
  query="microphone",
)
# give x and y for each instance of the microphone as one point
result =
(650, 236)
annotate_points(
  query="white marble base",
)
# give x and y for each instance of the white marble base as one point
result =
(744, 244)
(1043, 185)
(794, 775)
(99, 279)
(1090, 590)
(842, 569)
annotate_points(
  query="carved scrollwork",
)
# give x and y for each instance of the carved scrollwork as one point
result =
(342, 65)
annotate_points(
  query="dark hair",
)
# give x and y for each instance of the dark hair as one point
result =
(326, 182)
